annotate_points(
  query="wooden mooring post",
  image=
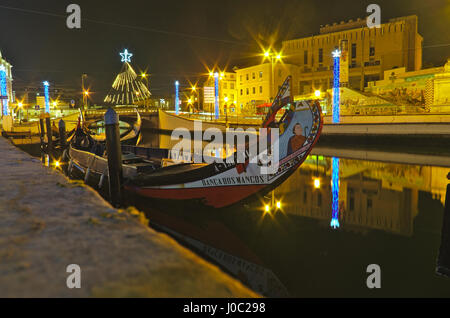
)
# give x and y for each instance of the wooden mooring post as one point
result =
(62, 133)
(114, 153)
(48, 125)
(42, 129)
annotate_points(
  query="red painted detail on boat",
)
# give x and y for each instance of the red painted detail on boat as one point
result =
(217, 197)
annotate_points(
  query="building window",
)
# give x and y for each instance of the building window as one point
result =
(254, 90)
(242, 92)
(372, 51)
(319, 199)
(320, 55)
(253, 76)
(353, 50)
(247, 91)
(369, 203)
(246, 77)
(240, 78)
(231, 85)
(225, 85)
(304, 197)
(260, 89)
(260, 74)
(352, 204)
(305, 57)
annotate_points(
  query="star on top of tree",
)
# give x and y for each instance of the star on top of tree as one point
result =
(126, 57)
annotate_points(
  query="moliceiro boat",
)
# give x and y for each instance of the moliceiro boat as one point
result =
(149, 174)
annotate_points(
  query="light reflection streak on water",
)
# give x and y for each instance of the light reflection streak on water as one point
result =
(335, 193)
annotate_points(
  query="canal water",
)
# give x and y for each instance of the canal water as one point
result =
(321, 229)
(98, 127)
(335, 216)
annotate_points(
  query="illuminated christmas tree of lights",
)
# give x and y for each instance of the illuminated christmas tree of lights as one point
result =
(127, 88)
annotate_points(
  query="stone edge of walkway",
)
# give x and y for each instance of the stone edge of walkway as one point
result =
(184, 274)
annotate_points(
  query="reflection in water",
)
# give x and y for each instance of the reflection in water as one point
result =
(335, 193)
(98, 127)
(368, 194)
(388, 214)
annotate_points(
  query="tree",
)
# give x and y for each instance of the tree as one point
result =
(127, 88)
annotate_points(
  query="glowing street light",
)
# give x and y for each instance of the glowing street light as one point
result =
(317, 183)
(20, 105)
(317, 93)
(274, 58)
(145, 76)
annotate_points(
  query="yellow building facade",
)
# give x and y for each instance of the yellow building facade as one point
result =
(227, 92)
(259, 84)
(371, 51)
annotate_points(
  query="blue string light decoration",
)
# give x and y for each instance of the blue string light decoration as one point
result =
(216, 95)
(336, 86)
(177, 98)
(47, 98)
(335, 192)
(4, 91)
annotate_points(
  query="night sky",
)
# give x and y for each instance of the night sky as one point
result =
(178, 39)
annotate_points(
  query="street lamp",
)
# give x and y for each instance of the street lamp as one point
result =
(20, 111)
(83, 90)
(274, 58)
(226, 110)
(194, 89)
(85, 98)
(145, 76)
